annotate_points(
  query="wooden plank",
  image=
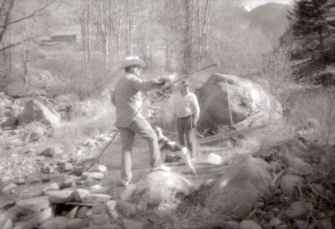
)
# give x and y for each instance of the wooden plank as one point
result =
(225, 135)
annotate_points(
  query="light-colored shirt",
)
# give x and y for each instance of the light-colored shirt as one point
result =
(186, 105)
(127, 98)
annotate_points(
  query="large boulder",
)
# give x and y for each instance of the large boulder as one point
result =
(236, 192)
(35, 110)
(251, 105)
(158, 187)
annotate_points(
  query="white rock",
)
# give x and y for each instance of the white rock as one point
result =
(98, 168)
(80, 194)
(61, 196)
(93, 175)
(213, 159)
(96, 198)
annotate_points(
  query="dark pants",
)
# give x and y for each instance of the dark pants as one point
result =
(186, 133)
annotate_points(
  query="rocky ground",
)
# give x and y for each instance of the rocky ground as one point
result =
(265, 178)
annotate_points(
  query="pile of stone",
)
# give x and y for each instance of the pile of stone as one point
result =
(68, 206)
(286, 185)
(83, 202)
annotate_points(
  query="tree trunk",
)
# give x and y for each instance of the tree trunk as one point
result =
(206, 27)
(129, 29)
(119, 33)
(167, 44)
(8, 14)
(188, 37)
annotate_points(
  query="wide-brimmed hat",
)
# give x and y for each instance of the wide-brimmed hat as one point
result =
(133, 61)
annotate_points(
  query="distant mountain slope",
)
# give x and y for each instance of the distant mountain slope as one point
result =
(271, 18)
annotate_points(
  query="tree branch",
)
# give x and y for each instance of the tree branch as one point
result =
(7, 17)
(14, 44)
(33, 14)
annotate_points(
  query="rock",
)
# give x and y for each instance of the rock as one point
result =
(10, 123)
(126, 208)
(297, 164)
(80, 194)
(275, 222)
(299, 209)
(160, 186)
(166, 209)
(96, 198)
(93, 175)
(100, 219)
(77, 223)
(48, 152)
(99, 209)
(124, 193)
(55, 223)
(249, 224)
(289, 183)
(82, 212)
(11, 188)
(36, 204)
(49, 187)
(37, 133)
(300, 224)
(35, 220)
(111, 209)
(237, 191)
(318, 188)
(47, 169)
(250, 104)
(98, 168)
(45, 178)
(61, 196)
(98, 188)
(35, 110)
(132, 224)
(20, 181)
(68, 182)
(65, 167)
(108, 226)
(213, 159)
(76, 172)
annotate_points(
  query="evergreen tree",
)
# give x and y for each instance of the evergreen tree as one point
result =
(309, 19)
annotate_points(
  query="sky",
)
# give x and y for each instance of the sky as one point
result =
(250, 4)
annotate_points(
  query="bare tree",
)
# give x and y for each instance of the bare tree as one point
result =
(106, 25)
(6, 9)
(85, 30)
(188, 63)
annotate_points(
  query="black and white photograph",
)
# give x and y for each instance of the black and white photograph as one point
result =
(167, 114)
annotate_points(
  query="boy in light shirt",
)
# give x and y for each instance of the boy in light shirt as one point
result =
(187, 113)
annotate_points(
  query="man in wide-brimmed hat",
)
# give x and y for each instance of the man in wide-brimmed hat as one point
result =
(127, 99)
(187, 112)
